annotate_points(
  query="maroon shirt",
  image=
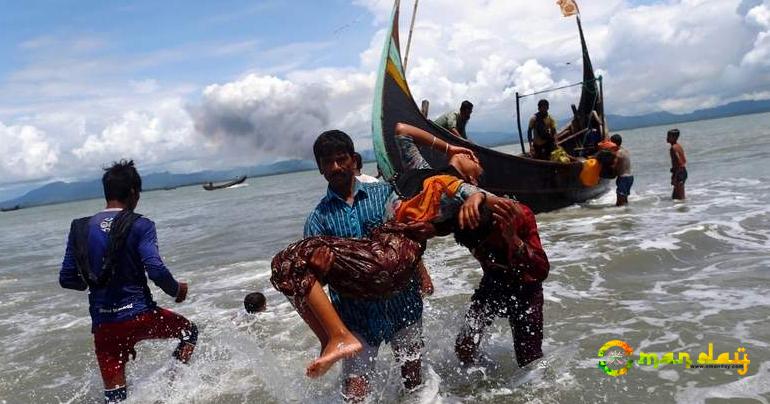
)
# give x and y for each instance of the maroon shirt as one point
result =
(532, 259)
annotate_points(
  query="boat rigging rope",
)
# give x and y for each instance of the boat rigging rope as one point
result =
(550, 90)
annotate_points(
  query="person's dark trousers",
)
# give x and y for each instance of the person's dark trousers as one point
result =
(521, 304)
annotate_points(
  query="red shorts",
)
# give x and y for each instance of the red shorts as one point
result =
(114, 342)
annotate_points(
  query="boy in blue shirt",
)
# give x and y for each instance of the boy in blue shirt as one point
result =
(111, 254)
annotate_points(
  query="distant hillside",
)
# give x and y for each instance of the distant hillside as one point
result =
(59, 192)
(619, 122)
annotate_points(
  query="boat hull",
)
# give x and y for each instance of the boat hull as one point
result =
(542, 185)
(212, 187)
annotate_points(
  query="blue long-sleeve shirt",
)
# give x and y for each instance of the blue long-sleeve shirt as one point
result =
(127, 294)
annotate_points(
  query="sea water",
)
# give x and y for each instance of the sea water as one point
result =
(660, 275)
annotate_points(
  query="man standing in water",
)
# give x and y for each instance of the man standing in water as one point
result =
(515, 267)
(678, 164)
(623, 168)
(111, 254)
(455, 121)
(352, 209)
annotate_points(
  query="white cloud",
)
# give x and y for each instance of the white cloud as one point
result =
(152, 136)
(760, 54)
(27, 154)
(674, 55)
(760, 15)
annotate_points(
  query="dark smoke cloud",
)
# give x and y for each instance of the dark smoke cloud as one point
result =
(270, 115)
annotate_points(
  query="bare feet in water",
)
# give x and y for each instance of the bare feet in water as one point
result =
(337, 348)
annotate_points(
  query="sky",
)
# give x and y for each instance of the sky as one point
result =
(184, 86)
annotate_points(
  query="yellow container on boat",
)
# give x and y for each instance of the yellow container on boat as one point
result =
(589, 175)
(560, 156)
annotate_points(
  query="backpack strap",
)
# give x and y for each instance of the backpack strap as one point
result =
(119, 230)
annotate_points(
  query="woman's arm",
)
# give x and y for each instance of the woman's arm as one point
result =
(424, 138)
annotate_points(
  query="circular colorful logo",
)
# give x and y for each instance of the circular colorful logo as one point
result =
(615, 358)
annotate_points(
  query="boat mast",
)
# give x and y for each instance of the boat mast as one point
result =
(518, 122)
(425, 107)
(411, 28)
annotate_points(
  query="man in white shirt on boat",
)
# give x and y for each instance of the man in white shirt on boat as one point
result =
(360, 176)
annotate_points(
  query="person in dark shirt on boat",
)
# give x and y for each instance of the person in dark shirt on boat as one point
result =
(594, 136)
(455, 121)
(678, 165)
(112, 254)
(541, 133)
(623, 169)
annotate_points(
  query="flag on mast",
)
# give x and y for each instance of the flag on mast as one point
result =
(568, 7)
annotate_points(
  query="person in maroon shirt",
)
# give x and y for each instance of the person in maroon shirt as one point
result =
(515, 266)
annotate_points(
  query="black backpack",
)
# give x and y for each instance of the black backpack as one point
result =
(118, 235)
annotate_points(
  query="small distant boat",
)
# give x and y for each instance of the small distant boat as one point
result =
(211, 187)
(9, 209)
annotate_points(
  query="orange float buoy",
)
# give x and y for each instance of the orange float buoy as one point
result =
(589, 175)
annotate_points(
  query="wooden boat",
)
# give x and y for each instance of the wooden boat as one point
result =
(542, 185)
(211, 187)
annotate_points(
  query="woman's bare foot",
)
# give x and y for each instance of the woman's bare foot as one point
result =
(337, 348)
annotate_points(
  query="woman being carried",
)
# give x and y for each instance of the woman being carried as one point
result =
(385, 262)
